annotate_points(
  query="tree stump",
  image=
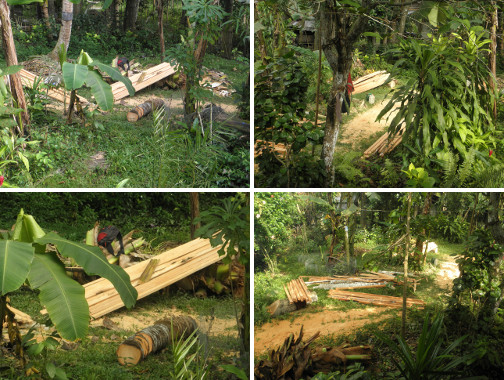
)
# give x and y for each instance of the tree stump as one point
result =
(154, 338)
(144, 109)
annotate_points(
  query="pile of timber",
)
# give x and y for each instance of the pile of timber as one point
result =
(370, 81)
(144, 109)
(143, 79)
(385, 144)
(297, 292)
(364, 280)
(171, 267)
(280, 149)
(28, 78)
(373, 299)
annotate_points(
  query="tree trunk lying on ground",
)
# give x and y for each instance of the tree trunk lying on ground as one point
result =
(144, 109)
(154, 338)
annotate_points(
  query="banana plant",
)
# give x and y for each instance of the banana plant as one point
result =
(4, 91)
(25, 258)
(85, 71)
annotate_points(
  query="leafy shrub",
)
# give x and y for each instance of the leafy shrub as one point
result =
(429, 361)
(452, 229)
(445, 106)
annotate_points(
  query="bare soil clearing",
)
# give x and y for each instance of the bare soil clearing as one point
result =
(333, 322)
(328, 322)
(364, 125)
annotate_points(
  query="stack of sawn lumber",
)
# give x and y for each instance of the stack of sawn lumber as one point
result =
(28, 78)
(297, 292)
(370, 81)
(143, 79)
(373, 299)
(385, 144)
(367, 280)
(173, 266)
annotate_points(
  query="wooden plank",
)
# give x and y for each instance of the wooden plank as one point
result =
(28, 78)
(383, 145)
(143, 79)
(370, 81)
(373, 299)
(173, 266)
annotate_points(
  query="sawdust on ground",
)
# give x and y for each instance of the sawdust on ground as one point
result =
(139, 319)
(364, 125)
(328, 322)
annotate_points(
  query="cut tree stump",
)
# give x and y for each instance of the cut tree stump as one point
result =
(154, 338)
(144, 109)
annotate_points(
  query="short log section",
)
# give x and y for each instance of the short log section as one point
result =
(144, 109)
(373, 299)
(154, 338)
(173, 266)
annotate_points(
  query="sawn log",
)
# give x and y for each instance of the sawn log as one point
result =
(154, 338)
(144, 109)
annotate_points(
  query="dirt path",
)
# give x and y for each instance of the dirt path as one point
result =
(333, 322)
(328, 322)
(364, 125)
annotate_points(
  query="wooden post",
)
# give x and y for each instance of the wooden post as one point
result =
(194, 213)
(406, 255)
(154, 338)
(11, 59)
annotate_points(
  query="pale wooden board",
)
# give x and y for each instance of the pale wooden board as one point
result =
(28, 78)
(143, 79)
(370, 81)
(383, 145)
(373, 299)
(173, 265)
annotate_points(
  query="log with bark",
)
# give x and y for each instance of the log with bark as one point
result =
(154, 338)
(144, 109)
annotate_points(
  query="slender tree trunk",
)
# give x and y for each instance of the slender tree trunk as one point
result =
(45, 13)
(338, 35)
(195, 212)
(493, 52)
(472, 225)
(65, 31)
(402, 20)
(131, 14)
(332, 215)
(227, 31)
(406, 255)
(11, 59)
(159, 6)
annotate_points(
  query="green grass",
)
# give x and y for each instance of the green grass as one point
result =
(95, 357)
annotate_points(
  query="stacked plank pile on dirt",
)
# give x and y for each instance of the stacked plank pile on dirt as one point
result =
(280, 149)
(297, 292)
(364, 280)
(370, 81)
(172, 266)
(373, 299)
(385, 144)
(143, 79)
(28, 78)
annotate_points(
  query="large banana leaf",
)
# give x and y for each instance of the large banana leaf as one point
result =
(74, 75)
(115, 75)
(94, 262)
(15, 260)
(101, 90)
(63, 297)
(27, 230)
